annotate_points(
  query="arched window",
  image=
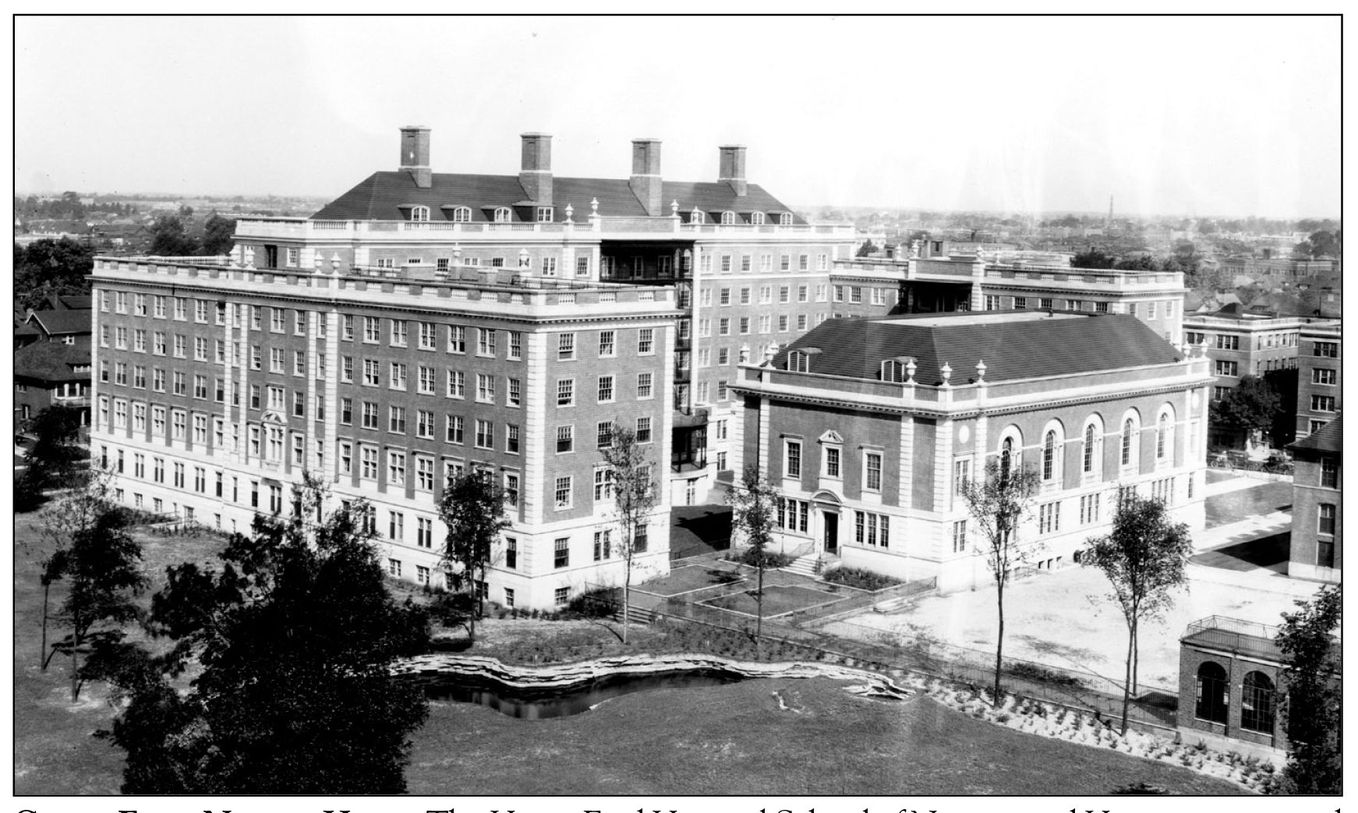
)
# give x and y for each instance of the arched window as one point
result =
(757, 218)
(1212, 693)
(419, 214)
(696, 216)
(462, 214)
(1090, 439)
(785, 219)
(1006, 458)
(728, 218)
(1049, 455)
(1164, 436)
(1128, 441)
(1256, 703)
(502, 214)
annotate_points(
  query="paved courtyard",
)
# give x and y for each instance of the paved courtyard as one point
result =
(1068, 619)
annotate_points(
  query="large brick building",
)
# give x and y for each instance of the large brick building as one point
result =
(870, 426)
(1317, 550)
(1320, 375)
(425, 322)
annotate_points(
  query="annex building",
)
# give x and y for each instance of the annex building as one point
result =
(871, 426)
(423, 323)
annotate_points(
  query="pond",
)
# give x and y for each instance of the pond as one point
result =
(545, 703)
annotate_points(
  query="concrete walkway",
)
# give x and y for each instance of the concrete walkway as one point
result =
(1245, 530)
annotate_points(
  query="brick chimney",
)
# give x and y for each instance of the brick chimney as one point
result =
(732, 167)
(536, 171)
(415, 155)
(645, 182)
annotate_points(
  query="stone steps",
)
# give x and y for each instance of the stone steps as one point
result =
(804, 565)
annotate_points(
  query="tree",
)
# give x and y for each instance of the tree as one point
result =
(168, 238)
(50, 267)
(1144, 558)
(473, 508)
(634, 498)
(1093, 258)
(218, 234)
(100, 567)
(56, 453)
(1251, 406)
(1313, 699)
(753, 504)
(998, 503)
(296, 636)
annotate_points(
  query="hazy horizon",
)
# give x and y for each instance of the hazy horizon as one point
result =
(1028, 115)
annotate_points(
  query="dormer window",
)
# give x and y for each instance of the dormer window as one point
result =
(756, 218)
(785, 219)
(419, 214)
(502, 214)
(462, 214)
(728, 218)
(544, 214)
(696, 216)
(799, 361)
(895, 370)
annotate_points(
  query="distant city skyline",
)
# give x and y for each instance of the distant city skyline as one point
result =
(1028, 115)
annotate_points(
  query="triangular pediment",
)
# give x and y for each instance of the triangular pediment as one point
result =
(831, 436)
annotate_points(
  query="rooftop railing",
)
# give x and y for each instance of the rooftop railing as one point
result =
(296, 227)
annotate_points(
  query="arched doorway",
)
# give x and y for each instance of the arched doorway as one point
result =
(1212, 698)
(828, 506)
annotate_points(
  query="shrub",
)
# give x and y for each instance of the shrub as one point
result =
(598, 603)
(860, 578)
(1032, 671)
(452, 608)
(750, 557)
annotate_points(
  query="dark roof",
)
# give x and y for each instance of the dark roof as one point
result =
(1328, 439)
(81, 302)
(50, 362)
(26, 330)
(55, 323)
(1013, 345)
(388, 196)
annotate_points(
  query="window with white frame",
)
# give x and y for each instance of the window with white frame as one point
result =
(792, 458)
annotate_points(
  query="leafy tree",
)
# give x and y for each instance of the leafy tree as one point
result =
(634, 498)
(101, 568)
(1093, 258)
(169, 239)
(50, 267)
(1141, 262)
(296, 636)
(56, 452)
(1313, 700)
(866, 249)
(1251, 406)
(998, 503)
(753, 504)
(218, 234)
(473, 508)
(1144, 558)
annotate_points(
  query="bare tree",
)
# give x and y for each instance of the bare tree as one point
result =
(634, 497)
(1144, 558)
(998, 503)
(753, 503)
(473, 508)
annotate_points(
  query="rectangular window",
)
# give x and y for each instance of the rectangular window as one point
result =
(457, 384)
(1049, 518)
(1329, 350)
(485, 388)
(1323, 376)
(645, 341)
(454, 429)
(565, 392)
(562, 493)
(644, 385)
(643, 430)
(831, 458)
(603, 484)
(565, 439)
(565, 347)
(1089, 509)
(485, 342)
(959, 536)
(513, 392)
(396, 419)
(1325, 523)
(457, 339)
(607, 343)
(485, 434)
(561, 596)
(1322, 403)
(605, 394)
(1329, 472)
(561, 553)
(1227, 368)
(872, 471)
(792, 458)
(961, 475)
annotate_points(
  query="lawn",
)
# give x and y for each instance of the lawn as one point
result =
(777, 600)
(736, 739)
(692, 577)
(54, 750)
(1234, 506)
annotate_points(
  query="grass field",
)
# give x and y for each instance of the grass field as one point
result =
(736, 740)
(777, 600)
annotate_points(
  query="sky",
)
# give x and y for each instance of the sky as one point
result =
(1193, 116)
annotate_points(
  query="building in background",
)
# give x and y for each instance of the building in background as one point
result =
(871, 426)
